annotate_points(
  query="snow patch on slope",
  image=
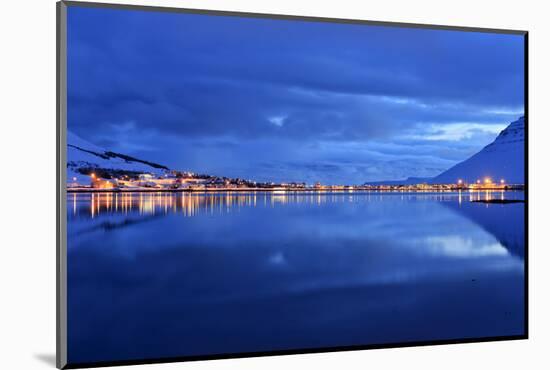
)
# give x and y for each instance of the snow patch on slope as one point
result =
(82, 155)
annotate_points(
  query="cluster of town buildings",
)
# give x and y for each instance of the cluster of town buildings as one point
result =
(173, 180)
(189, 181)
(485, 184)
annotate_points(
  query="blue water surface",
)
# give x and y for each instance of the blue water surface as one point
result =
(153, 275)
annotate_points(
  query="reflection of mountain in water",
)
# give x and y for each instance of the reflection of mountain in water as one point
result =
(115, 224)
(504, 221)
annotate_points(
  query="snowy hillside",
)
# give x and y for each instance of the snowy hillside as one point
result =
(502, 159)
(82, 157)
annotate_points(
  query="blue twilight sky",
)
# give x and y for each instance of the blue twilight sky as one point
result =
(277, 100)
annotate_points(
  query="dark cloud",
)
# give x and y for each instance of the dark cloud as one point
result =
(177, 81)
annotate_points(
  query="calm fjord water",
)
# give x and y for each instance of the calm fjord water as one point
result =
(154, 275)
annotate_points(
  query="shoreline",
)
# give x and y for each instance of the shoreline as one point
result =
(282, 190)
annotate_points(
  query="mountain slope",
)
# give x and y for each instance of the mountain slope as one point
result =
(83, 157)
(502, 159)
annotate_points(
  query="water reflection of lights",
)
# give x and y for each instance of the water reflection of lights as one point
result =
(192, 204)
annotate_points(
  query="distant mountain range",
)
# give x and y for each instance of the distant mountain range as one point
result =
(407, 181)
(504, 159)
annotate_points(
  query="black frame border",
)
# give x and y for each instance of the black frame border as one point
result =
(61, 118)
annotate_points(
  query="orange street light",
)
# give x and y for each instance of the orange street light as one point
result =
(487, 180)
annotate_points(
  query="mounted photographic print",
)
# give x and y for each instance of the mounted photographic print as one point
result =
(235, 184)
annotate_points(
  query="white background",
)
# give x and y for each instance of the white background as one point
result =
(27, 207)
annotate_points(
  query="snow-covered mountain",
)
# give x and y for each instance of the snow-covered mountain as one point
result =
(502, 159)
(83, 156)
